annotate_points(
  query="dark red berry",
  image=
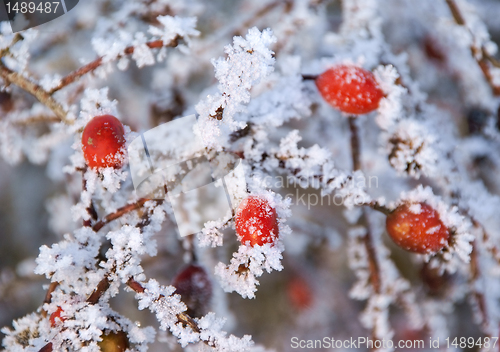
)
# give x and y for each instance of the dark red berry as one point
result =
(195, 288)
(299, 293)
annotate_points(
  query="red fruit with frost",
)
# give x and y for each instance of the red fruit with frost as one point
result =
(417, 228)
(256, 222)
(195, 288)
(350, 89)
(103, 142)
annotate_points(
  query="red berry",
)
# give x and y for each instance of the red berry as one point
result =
(299, 293)
(103, 142)
(256, 222)
(417, 228)
(55, 318)
(350, 89)
(195, 288)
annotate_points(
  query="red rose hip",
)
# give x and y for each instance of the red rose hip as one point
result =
(256, 222)
(299, 293)
(195, 288)
(350, 89)
(103, 141)
(417, 228)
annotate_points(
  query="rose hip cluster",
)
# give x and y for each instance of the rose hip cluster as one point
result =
(414, 227)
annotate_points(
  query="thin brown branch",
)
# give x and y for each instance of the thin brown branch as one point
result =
(309, 77)
(455, 12)
(182, 317)
(90, 209)
(478, 294)
(483, 59)
(46, 348)
(261, 13)
(117, 214)
(73, 76)
(134, 285)
(48, 295)
(34, 89)
(378, 207)
(35, 119)
(367, 239)
(6, 50)
(101, 288)
(355, 151)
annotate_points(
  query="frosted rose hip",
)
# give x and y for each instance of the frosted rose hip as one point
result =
(299, 293)
(350, 89)
(256, 222)
(103, 142)
(417, 228)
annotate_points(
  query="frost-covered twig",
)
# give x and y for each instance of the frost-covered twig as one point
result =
(480, 54)
(117, 214)
(182, 317)
(75, 75)
(37, 91)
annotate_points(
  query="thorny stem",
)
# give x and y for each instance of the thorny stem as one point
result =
(34, 89)
(73, 76)
(483, 59)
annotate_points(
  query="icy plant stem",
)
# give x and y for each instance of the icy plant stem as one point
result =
(367, 239)
(484, 60)
(476, 280)
(182, 317)
(37, 91)
(73, 76)
(355, 152)
(90, 209)
(47, 348)
(309, 77)
(102, 287)
(48, 295)
(355, 155)
(117, 214)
